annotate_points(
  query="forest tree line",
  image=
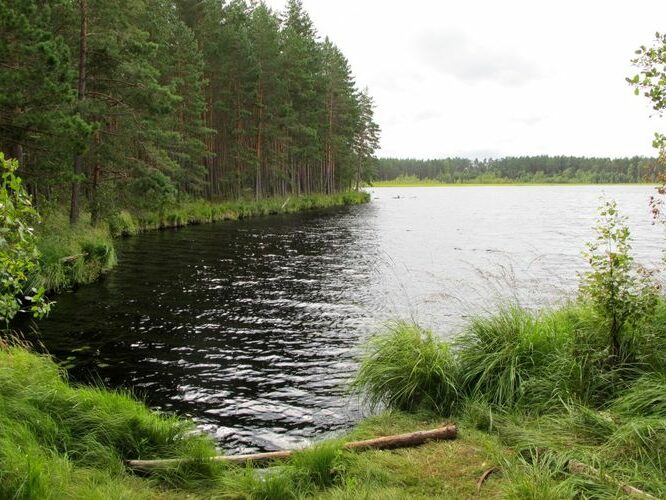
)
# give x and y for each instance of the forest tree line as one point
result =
(111, 104)
(527, 169)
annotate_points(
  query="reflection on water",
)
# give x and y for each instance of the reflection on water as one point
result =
(250, 327)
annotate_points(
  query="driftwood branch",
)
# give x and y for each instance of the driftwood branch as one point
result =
(584, 469)
(388, 442)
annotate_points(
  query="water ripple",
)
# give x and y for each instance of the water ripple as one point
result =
(251, 327)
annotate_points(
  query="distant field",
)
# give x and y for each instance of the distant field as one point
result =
(435, 183)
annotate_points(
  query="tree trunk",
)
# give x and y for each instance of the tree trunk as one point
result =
(18, 155)
(75, 209)
(258, 188)
(94, 208)
(388, 442)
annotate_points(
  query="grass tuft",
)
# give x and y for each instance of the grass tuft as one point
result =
(320, 465)
(501, 354)
(57, 441)
(408, 369)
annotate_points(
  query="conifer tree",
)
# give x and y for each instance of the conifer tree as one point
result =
(38, 126)
(115, 104)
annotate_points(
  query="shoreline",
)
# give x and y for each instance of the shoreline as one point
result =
(389, 184)
(71, 256)
(73, 441)
(535, 418)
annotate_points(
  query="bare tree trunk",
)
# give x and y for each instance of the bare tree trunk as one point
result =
(17, 154)
(75, 209)
(95, 208)
(258, 187)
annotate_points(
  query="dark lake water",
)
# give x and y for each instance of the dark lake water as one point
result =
(251, 327)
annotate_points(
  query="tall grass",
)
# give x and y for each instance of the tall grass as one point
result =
(408, 369)
(201, 212)
(501, 356)
(543, 383)
(59, 441)
(72, 255)
(645, 397)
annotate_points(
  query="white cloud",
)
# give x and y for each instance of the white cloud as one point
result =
(455, 54)
(515, 77)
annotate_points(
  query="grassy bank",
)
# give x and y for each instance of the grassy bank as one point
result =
(546, 387)
(527, 404)
(74, 255)
(59, 441)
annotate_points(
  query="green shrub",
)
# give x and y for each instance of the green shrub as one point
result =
(122, 224)
(19, 255)
(407, 369)
(622, 292)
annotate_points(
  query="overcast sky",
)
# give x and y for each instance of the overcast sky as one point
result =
(498, 78)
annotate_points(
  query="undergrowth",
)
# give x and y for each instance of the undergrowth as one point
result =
(60, 441)
(541, 383)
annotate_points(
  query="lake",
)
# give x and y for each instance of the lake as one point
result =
(252, 327)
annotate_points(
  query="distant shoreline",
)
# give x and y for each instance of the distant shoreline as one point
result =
(388, 184)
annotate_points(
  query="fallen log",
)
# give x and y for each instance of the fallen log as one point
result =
(584, 469)
(387, 442)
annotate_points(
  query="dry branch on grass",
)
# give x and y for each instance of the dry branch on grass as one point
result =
(387, 442)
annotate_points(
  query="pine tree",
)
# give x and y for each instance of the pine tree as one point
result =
(38, 126)
(303, 68)
(117, 104)
(366, 140)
